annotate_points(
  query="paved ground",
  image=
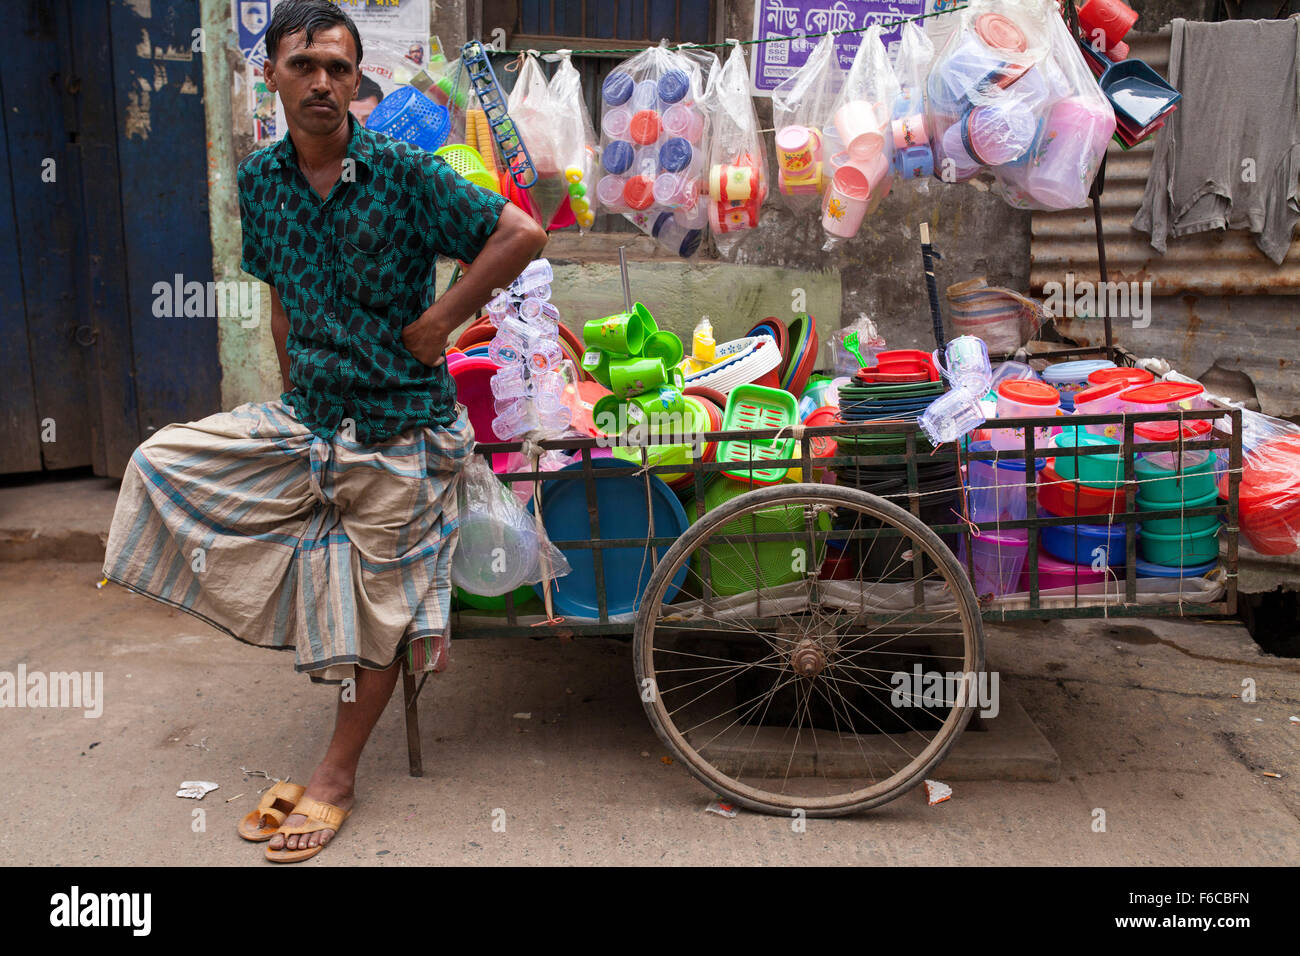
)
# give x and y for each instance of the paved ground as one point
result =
(1141, 713)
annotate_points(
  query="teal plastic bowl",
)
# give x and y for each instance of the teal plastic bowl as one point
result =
(1177, 525)
(1163, 485)
(1178, 551)
(1096, 471)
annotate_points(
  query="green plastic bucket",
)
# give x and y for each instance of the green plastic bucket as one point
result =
(1179, 551)
(1176, 524)
(1164, 485)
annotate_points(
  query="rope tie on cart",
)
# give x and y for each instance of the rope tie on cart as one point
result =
(533, 452)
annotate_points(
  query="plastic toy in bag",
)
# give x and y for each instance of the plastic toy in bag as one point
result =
(737, 166)
(654, 144)
(859, 141)
(802, 107)
(1011, 94)
(574, 143)
(500, 545)
(913, 157)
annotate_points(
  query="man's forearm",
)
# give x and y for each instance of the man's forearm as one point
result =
(514, 243)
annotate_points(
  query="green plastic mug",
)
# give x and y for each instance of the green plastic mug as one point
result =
(634, 376)
(660, 401)
(596, 363)
(624, 333)
(665, 345)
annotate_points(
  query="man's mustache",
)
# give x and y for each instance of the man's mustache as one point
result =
(312, 101)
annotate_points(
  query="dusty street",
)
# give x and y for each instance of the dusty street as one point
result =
(1141, 713)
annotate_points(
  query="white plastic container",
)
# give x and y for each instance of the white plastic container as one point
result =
(1024, 398)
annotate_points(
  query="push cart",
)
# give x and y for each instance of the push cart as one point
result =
(819, 648)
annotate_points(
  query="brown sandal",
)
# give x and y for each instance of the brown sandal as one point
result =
(277, 803)
(320, 816)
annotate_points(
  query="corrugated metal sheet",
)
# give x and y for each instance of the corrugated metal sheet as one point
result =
(1212, 263)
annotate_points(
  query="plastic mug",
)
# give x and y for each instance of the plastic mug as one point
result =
(1069, 150)
(617, 156)
(624, 333)
(633, 376)
(509, 382)
(910, 131)
(915, 162)
(595, 362)
(663, 400)
(664, 344)
(861, 129)
(616, 121)
(950, 416)
(728, 183)
(966, 364)
(609, 190)
(955, 159)
(809, 185)
(846, 202)
(680, 120)
(797, 150)
(645, 95)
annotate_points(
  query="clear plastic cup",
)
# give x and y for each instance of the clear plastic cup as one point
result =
(501, 307)
(544, 354)
(950, 416)
(616, 121)
(694, 215)
(509, 382)
(681, 120)
(968, 367)
(646, 95)
(536, 274)
(548, 390)
(539, 312)
(609, 190)
(517, 418)
(507, 347)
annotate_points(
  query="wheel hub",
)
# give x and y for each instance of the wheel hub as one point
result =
(807, 659)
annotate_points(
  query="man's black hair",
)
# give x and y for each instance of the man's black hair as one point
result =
(369, 88)
(308, 16)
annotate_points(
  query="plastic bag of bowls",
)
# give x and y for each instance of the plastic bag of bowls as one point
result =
(1269, 493)
(859, 141)
(802, 106)
(500, 546)
(1010, 94)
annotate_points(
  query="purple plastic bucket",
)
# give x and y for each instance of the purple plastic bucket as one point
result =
(999, 558)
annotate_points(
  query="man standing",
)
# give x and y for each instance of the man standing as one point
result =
(324, 522)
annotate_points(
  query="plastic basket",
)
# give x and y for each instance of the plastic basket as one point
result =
(409, 115)
(754, 407)
(468, 162)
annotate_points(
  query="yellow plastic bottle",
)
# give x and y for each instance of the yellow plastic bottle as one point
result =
(703, 347)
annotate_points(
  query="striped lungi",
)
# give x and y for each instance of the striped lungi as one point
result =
(283, 539)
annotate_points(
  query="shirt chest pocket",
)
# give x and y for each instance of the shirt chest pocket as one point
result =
(368, 262)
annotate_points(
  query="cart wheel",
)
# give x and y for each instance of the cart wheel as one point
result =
(803, 693)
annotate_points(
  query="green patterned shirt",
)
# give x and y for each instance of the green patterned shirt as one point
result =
(355, 268)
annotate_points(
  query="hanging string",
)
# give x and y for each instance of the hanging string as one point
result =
(885, 25)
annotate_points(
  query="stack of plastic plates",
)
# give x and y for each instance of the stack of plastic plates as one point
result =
(887, 402)
(746, 361)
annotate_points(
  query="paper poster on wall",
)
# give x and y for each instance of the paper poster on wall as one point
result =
(394, 47)
(773, 62)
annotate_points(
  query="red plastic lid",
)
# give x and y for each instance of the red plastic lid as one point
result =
(1136, 376)
(638, 192)
(645, 127)
(1162, 393)
(1001, 33)
(1094, 392)
(1168, 431)
(1029, 392)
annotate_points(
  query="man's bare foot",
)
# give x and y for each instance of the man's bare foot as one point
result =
(328, 785)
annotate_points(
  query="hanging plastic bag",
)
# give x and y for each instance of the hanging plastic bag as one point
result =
(533, 115)
(1269, 494)
(737, 169)
(654, 144)
(913, 157)
(801, 110)
(1011, 94)
(501, 546)
(859, 141)
(574, 142)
